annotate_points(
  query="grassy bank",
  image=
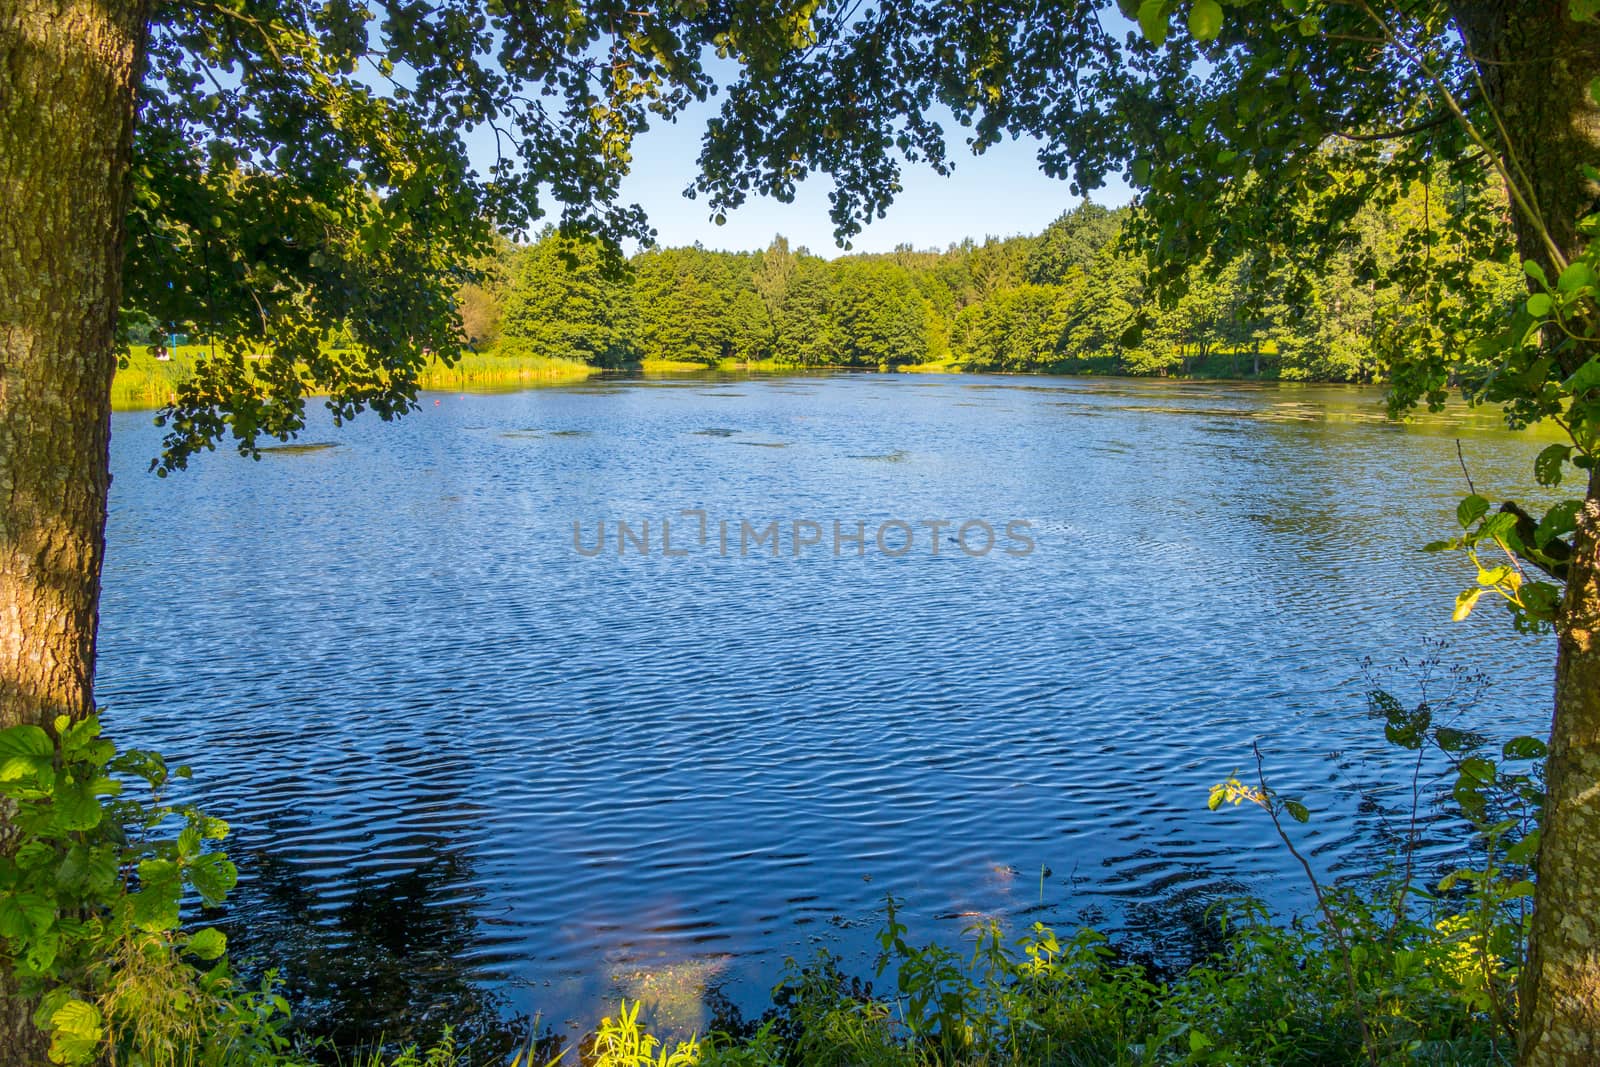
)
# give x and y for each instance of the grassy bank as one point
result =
(146, 383)
(492, 371)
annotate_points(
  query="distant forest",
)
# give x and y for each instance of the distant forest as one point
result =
(1072, 299)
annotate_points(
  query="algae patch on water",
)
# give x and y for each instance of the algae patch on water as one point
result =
(298, 448)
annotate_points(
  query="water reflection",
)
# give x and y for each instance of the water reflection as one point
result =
(388, 959)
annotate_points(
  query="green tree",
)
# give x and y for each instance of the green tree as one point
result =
(879, 317)
(804, 323)
(682, 313)
(750, 335)
(563, 304)
(1104, 320)
(1018, 329)
(772, 273)
(1073, 240)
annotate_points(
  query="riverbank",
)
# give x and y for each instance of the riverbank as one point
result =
(145, 383)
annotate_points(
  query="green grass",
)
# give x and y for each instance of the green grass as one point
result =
(145, 383)
(948, 365)
(491, 371)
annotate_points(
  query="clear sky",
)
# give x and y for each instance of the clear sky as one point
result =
(1000, 193)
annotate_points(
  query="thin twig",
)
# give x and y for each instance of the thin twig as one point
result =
(1463, 461)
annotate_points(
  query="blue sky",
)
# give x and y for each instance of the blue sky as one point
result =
(1000, 193)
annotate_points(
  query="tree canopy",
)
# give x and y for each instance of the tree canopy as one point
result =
(300, 168)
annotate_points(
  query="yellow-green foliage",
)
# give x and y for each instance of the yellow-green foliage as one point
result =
(145, 383)
(502, 367)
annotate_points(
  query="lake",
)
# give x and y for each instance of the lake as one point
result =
(476, 773)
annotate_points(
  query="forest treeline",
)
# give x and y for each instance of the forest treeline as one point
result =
(1070, 300)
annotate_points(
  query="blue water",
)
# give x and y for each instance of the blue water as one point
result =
(475, 774)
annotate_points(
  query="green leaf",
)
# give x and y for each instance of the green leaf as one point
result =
(28, 741)
(1491, 578)
(43, 948)
(1536, 272)
(1153, 21)
(1297, 811)
(25, 915)
(1205, 19)
(76, 806)
(1577, 276)
(1477, 769)
(1541, 600)
(1470, 510)
(208, 944)
(15, 768)
(1501, 526)
(1586, 378)
(1547, 467)
(1465, 603)
(155, 905)
(212, 876)
(1539, 305)
(76, 1031)
(1524, 748)
(1559, 521)
(1524, 851)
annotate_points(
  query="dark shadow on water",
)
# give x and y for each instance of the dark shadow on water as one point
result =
(386, 964)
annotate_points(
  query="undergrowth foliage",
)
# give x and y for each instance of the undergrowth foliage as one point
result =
(93, 879)
(98, 872)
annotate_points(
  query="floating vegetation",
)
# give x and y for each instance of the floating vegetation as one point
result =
(763, 444)
(715, 431)
(899, 455)
(298, 448)
(571, 433)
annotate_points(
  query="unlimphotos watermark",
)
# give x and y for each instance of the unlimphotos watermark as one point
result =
(693, 530)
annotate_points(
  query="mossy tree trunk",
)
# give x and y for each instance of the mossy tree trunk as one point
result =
(1561, 986)
(1536, 64)
(68, 77)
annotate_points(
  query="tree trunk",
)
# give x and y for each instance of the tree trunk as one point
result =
(1561, 984)
(1536, 64)
(68, 75)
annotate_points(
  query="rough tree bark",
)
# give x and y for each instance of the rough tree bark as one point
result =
(68, 75)
(1536, 64)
